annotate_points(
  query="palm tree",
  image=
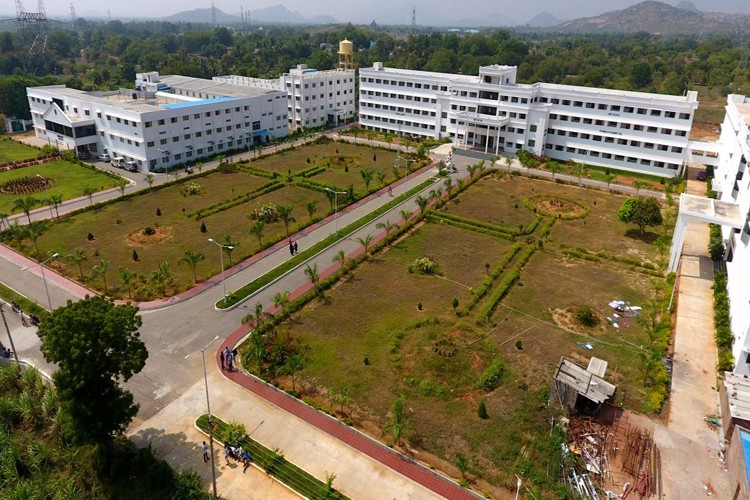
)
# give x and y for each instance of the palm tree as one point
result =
(367, 175)
(285, 214)
(89, 191)
(387, 226)
(311, 206)
(448, 183)
(340, 257)
(56, 201)
(199, 166)
(121, 186)
(26, 205)
(126, 278)
(228, 246)
(508, 162)
(608, 178)
(78, 257)
(176, 173)
(472, 169)
(101, 270)
(292, 365)
(580, 168)
(149, 178)
(34, 231)
(280, 300)
(162, 276)
(313, 275)
(398, 419)
(405, 214)
(259, 315)
(365, 242)
(257, 230)
(421, 202)
(380, 176)
(192, 258)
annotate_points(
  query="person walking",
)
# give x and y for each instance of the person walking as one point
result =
(230, 358)
(296, 248)
(291, 247)
(204, 449)
(221, 357)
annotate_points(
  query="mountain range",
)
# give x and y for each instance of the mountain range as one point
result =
(650, 16)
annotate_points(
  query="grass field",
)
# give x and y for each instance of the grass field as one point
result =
(368, 335)
(11, 150)
(222, 201)
(68, 181)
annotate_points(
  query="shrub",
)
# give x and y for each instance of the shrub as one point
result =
(90, 237)
(715, 242)
(203, 227)
(366, 361)
(586, 316)
(149, 231)
(519, 345)
(492, 375)
(135, 255)
(482, 410)
(158, 212)
(423, 265)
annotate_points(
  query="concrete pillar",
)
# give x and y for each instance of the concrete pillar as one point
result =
(678, 239)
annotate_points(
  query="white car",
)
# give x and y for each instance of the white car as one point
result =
(105, 158)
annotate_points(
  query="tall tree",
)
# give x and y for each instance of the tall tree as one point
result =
(421, 202)
(642, 212)
(100, 269)
(257, 230)
(78, 258)
(56, 201)
(228, 246)
(365, 242)
(280, 300)
(126, 278)
(387, 226)
(313, 275)
(285, 214)
(96, 346)
(26, 205)
(89, 191)
(311, 206)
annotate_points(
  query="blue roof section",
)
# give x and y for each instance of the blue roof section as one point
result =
(745, 436)
(309, 71)
(187, 104)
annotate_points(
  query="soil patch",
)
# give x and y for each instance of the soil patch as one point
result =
(140, 239)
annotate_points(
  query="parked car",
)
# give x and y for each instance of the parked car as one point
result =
(105, 158)
(83, 155)
(132, 166)
(702, 175)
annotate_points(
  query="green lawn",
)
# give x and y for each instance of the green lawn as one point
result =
(369, 336)
(69, 180)
(11, 150)
(222, 201)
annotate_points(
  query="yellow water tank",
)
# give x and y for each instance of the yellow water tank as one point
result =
(346, 54)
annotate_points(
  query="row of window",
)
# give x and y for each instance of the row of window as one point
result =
(622, 125)
(610, 156)
(315, 108)
(404, 123)
(315, 96)
(322, 84)
(401, 83)
(614, 108)
(400, 97)
(397, 109)
(619, 141)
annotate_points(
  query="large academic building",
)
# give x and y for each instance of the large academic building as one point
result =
(491, 113)
(164, 121)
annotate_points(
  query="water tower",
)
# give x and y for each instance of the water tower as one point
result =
(346, 54)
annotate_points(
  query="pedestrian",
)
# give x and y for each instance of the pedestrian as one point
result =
(204, 449)
(246, 458)
(221, 357)
(390, 191)
(296, 248)
(291, 247)
(226, 453)
(230, 358)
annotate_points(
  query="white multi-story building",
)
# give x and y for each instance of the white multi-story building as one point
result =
(168, 120)
(314, 98)
(492, 113)
(732, 182)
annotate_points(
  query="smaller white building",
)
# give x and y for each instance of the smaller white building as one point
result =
(314, 98)
(165, 121)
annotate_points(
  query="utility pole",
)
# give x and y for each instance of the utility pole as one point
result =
(10, 337)
(213, 14)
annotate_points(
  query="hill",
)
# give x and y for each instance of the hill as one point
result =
(202, 16)
(657, 18)
(276, 14)
(543, 20)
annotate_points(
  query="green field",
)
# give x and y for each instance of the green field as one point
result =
(384, 330)
(11, 150)
(220, 201)
(68, 180)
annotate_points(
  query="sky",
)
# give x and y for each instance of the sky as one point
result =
(364, 11)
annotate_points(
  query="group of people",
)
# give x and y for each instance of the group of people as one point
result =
(293, 248)
(17, 309)
(227, 359)
(5, 353)
(233, 452)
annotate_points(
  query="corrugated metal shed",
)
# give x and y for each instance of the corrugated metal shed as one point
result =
(582, 381)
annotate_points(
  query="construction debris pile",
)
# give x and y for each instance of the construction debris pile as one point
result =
(611, 462)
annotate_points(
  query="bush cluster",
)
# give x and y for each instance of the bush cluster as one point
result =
(722, 329)
(492, 376)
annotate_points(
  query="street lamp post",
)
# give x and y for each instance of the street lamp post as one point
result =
(208, 406)
(10, 337)
(44, 277)
(221, 259)
(336, 206)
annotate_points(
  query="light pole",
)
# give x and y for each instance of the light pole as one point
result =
(208, 405)
(336, 206)
(221, 258)
(10, 337)
(44, 277)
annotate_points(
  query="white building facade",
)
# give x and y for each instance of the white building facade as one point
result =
(491, 113)
(166, 121)
(732, 182)
(314, 98)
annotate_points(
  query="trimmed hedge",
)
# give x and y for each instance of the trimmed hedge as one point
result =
(272, 462)
(722, 329)
(484, 225)
(482, 290)
(715, 242)
(438, 217)
(503, 288)
(237, 200)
